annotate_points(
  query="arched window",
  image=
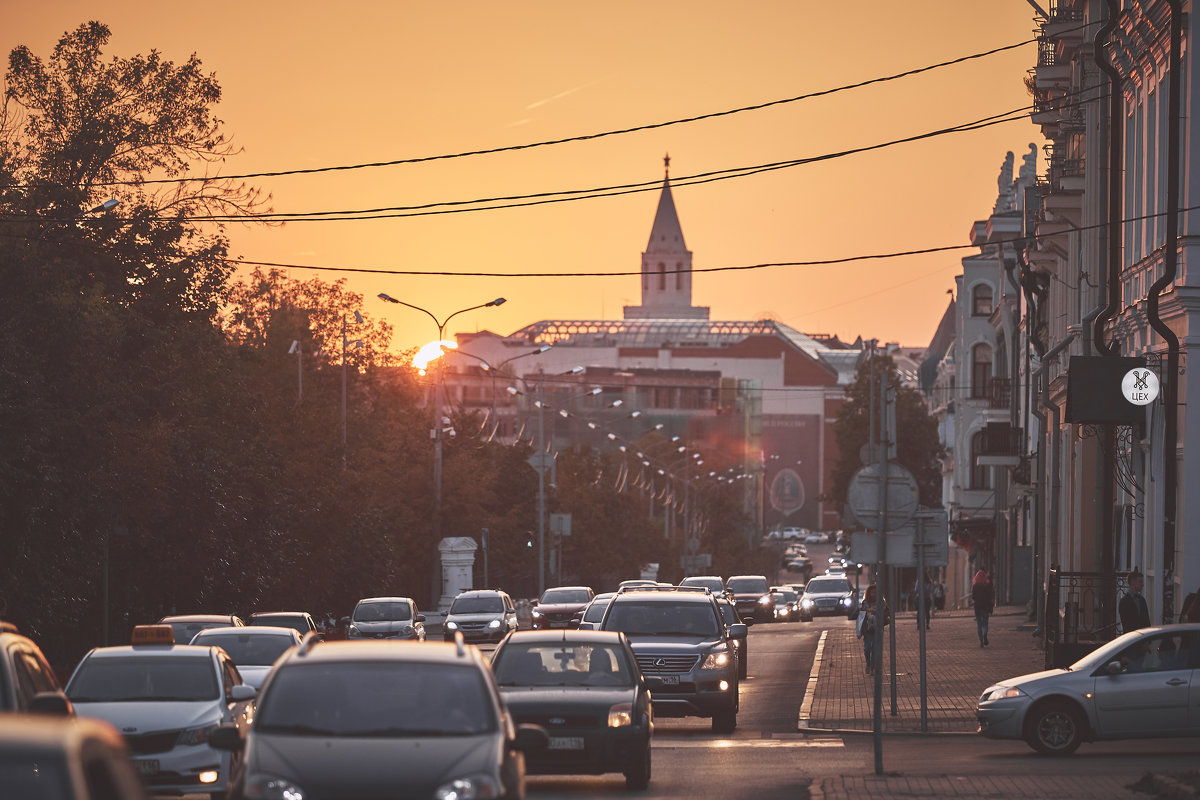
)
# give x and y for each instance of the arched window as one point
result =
(981, 300)
(981, 371)
(662, 277)
(981, 477)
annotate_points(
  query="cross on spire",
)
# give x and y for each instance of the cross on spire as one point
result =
(667, 163)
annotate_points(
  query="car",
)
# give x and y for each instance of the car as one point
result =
(302, 621)
(253, 648)
(386, 618)
(838, 562)
(44, 757)
(589, 618)
(480, 615)
(752, 597)
(730, 615)
(185, 626)
(381, 718)
(712, 582)
(558, 606)
(635, 583)
(787, 603)
(828, 595)
(27, 682)
(166, 699)
(800, 564)
(837, 572)
(815, 538)
(795, 549)
(1140, 685)
(684, 650)
(585, 689)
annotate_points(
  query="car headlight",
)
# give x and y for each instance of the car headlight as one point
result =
(473, 787)
(352, 632)
(195, 735)
(494, 624)
(1001, 693)
(847, 602)
(451, 626)
(536, 613)
(620, 715)
(270, 787)
(765, 599)
(717, 659)
(806, 603)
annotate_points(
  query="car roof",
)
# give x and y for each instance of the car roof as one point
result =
(480, 592)
(173, 650)
(197, 618)
(54, 733)
(266, 614)
(663, 595)
(576, 588)
(386, 650)
(386, 599)
(756, 577)
(566, 635)
(247, 630)
(701, 578)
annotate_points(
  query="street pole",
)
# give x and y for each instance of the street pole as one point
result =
(921, 621)
(541, 481)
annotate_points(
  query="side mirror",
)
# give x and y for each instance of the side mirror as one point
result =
(530, 737)
(55, 703)
(533, 602)
(1112, 668)
(737, 630)
(420, 618)
(226, 737)
(243, 692)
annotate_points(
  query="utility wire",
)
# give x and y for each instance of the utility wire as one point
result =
(583, 137)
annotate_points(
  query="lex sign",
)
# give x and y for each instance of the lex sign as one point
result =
(1140, 386)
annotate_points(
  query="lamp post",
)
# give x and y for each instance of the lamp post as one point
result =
(436, 433)
(107, 205)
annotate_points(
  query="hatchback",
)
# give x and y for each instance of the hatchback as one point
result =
(481, 615)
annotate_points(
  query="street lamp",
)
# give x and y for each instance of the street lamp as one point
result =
(107, 205)
(493, 369)
(436, 433)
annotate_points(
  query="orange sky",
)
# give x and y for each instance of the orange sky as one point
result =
(316, 84)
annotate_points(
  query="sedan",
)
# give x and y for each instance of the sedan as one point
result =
(1139, 685)
(828, 595)
(253, 648)
(585, 689)
(558, 606)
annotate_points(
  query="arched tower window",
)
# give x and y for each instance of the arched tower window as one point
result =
(981, 301)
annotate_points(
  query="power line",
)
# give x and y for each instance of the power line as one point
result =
(583, 137)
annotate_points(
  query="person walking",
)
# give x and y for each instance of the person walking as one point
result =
(923, 588)
(868, 617)
(1135, 613)
(983, 597)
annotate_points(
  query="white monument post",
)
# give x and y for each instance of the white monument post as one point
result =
(458, 560)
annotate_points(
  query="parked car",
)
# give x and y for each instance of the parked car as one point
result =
(380, 719)
(684, 650)
(585, 689)
(558, 606)
(166, 698)
(1139, 685)
(481, 615)
(386, 618)
(27, 682)
(43, 757)
(752, 597)
(828, 595)
(185, 626)
(302, 621)
(253, 648)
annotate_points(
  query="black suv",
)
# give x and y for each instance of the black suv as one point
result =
(684, 649)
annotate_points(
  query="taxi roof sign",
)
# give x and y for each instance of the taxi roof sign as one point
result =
(153, 634)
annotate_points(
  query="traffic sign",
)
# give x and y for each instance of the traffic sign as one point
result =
(541, 461)
(902, 496)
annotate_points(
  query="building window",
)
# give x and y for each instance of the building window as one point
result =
(662, 277)
(981, 371)
(981, 300)
(981, 477)
(679, 277)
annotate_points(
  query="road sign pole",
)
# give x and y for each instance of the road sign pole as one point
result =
(921, 609)
(880, 597)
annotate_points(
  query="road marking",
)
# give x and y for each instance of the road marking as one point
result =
(728, 744)
(810, 689)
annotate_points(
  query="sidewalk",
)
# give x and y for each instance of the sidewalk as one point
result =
(957, 672)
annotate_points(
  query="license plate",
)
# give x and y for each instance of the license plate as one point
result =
(566, 743)
(146, 766)
(668, 680)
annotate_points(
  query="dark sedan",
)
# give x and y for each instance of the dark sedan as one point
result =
(585, 689)
(558, 606)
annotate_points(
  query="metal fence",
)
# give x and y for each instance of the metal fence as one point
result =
(1081, 613)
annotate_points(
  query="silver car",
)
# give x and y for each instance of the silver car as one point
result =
(1143, 684)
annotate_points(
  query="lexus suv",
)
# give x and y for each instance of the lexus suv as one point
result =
(684, 650)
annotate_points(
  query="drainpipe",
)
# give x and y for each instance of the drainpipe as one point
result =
(1116, 116)
(1171, 375)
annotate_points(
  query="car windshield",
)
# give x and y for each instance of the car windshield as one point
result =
(248, 650)
(487, 604)
(382, 612)
(828, 586)
(283, 621)
(563, 664)
(35, 776)
(595, 610)
(553, 596)
(385, 699)
(185, 631)
(664, 618)
(144, 678)
(748, 585)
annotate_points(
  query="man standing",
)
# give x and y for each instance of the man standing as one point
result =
(1133, 609)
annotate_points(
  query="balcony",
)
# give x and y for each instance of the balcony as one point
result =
(1000, 393)
(1001, 447)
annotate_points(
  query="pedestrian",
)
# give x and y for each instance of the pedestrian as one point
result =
(939, 596)
(865, 626)
(983, 596)
(923, 588)
(1191, 608)
(1134, 612)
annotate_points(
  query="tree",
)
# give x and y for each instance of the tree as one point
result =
(917, 444)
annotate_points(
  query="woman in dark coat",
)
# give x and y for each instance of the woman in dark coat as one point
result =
(983, 596)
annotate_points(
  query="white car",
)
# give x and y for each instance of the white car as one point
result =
(1142, 684)
(253, 648)
(166, 699)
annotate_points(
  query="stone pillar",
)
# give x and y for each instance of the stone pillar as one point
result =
(458, 561)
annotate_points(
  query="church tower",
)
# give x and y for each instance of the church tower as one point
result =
(666, 266)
